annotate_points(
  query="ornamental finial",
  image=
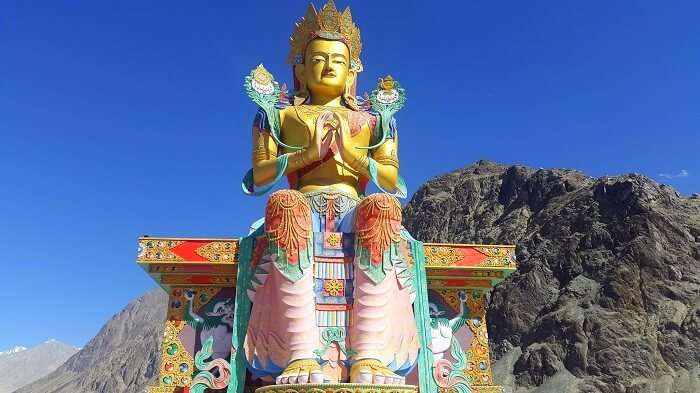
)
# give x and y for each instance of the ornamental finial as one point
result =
(330, 24)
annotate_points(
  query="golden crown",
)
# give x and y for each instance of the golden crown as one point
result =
(329, 24)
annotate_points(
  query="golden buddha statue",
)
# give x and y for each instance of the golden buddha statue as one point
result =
(331, 268)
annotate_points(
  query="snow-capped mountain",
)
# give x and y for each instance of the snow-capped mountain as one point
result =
(13, 350)
(20, 366)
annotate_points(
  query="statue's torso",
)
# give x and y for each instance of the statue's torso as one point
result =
(298, 125)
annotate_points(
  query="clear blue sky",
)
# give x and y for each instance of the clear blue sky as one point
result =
(128, 117)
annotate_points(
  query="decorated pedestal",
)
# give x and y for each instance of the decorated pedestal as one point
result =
(200, 278)
(328, 287)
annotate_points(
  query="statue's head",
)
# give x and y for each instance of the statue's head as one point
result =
(325, 54)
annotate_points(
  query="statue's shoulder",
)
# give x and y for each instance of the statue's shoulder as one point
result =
(288, 113)
(298, 112)
(272, 99)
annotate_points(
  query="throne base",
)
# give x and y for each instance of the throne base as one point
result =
(208, 268)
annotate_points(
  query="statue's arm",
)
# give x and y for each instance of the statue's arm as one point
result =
(384, 159)
(264, 154)
(387, 161)
(267, 154)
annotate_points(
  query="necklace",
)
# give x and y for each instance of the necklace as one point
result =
(309, 113)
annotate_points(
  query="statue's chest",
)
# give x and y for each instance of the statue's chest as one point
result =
(300, 124)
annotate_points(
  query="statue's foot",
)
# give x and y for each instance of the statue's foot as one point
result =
(372, 371)
(301, 371)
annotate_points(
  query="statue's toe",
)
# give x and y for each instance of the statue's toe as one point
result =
(316, 376)
(303, 378)
(379, 379)
(365, 376)
(372, 371)
(301, 371)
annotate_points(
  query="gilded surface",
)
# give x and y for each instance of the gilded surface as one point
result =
(497, 256)
(219, 251)
(326, 23)
(173, 352)
(308, 113)
(340, 165)
(487, 389)
(171, 279)
(161, 389)
(174, 355)
(176, 363)
(465, 272)
(158, 250)
(436, 256)
(184, 268)
(459, 283)
(479, 365)
(262, 79)
(327, 130)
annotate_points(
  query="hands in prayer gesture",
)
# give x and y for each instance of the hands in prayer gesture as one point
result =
(331, 136)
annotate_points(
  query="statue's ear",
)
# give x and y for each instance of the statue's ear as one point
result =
(350, 81)
(350, 86)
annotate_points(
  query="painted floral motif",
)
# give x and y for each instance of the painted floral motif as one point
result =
(387, 93)
(449, 375)
(386, 100)
(334, 239)
(378, 228)
(262, 81)
(334, 287)
(388, 97)
(288, 227)
(214, 374)
(288, 222)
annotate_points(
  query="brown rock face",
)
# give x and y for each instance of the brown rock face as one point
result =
(607, 293)
(123, 357)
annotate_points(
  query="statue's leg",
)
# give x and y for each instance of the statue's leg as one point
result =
(383, 331)
(282, 328)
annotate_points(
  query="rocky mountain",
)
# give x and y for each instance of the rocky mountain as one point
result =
(606, 298)
(607, 293)
(121, 358)
(20, 365)
(13, 350)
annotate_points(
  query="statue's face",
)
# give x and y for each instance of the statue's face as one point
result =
(326, 68)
